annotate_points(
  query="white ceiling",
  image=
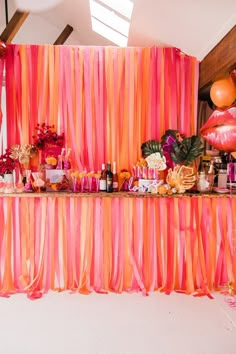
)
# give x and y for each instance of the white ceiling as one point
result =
(194, 26)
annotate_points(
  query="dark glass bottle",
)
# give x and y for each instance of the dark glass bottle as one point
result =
(201, 166)
(109, 178)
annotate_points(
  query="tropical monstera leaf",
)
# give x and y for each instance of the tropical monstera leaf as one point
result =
(187, 150)
(150, 147)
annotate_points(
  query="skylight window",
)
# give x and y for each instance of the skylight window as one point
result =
(124, 7)
(109, 33)
(110, 19)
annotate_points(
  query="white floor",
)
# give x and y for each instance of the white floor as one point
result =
(117, 324)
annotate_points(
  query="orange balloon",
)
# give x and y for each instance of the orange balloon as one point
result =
(223, 92)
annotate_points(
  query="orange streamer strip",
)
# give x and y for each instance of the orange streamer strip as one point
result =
(106, 100)
(116, 244)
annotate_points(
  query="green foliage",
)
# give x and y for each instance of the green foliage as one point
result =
(187, 150)
(150, 147)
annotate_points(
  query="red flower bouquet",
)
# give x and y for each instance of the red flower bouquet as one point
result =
(48, 141)
(7, 164)
(47, 135)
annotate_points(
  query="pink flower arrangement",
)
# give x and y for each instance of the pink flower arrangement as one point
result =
(7, 164)
(47, 135)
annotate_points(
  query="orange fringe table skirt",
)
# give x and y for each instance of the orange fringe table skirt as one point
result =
(115, 243)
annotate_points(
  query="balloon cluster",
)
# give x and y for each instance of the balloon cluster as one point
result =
(220, 129)
(3, 49)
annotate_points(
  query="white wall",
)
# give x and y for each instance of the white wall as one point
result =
(63, 323)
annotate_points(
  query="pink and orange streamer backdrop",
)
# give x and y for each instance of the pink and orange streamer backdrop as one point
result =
(107, 100)
(1, 83)
(86, 244)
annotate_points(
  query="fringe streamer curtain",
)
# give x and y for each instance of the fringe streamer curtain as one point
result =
(1, 114)
(117, 244)
(106, 100)
(204, 112)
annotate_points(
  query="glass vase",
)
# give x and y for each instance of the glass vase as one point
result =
(9, 183)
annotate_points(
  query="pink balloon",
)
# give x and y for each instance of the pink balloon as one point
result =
(220, 129)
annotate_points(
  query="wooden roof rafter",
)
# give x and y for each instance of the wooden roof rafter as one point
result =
(64, 35)
(218, 63)
(13, 26)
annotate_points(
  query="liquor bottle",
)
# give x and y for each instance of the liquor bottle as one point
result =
(200, 166)
(211, 168)
(60, 163)
(103, 179)
(109, 178)
(211, 173)
(115, 184)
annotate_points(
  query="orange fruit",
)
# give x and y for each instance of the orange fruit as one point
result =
(162, 190)
(169, 192)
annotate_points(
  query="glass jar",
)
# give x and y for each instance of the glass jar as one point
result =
(205, 182)
(222, 178)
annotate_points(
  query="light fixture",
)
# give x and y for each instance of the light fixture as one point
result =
(36, 6)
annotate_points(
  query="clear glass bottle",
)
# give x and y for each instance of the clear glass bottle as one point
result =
(103, 179)
(211, 173)
(67, 164)
(222, 179)
(60, 162)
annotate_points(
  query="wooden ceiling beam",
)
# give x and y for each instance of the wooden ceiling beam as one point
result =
(219, 62)
(64, 35)
(13, 26)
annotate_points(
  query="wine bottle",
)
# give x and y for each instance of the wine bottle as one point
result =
(115, 183)
(200, 166)
(103, 179)
(109, 178)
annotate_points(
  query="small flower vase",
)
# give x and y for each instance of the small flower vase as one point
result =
(75, 185)
(49, 167)
(2, 184)
(67, 165)
(9, 183)
(125, 187)
(28, 185)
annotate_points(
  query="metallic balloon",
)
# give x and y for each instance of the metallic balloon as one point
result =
(220, 129)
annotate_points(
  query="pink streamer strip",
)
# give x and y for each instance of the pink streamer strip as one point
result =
(102, 245)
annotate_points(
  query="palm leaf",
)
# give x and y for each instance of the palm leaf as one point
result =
(187, 150)
(150, 147)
